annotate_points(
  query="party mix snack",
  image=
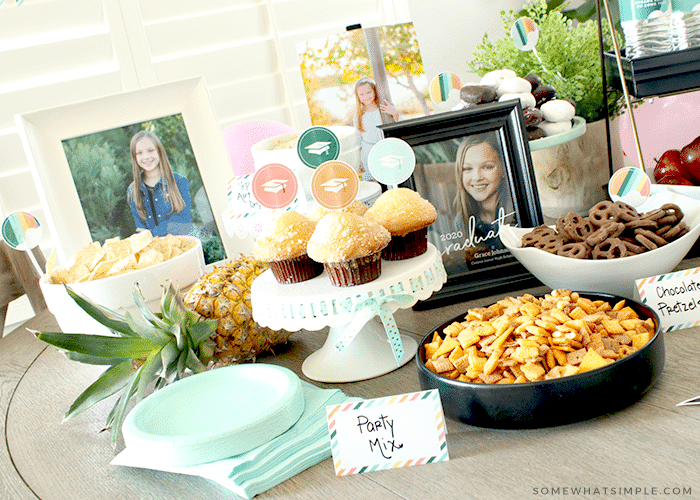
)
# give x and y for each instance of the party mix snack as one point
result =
(526, 339)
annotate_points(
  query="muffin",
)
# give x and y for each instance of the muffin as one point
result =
(317, 211)
(350, 248)
(406, 216)
(283, 246)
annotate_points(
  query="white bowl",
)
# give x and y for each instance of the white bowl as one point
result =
(689, 191)
(116, 292)
(614, 276)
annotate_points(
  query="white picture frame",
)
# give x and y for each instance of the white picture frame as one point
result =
(42, 133)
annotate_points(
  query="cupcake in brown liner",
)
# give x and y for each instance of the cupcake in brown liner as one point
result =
(349, 246)
(406, 216)
(317, 211)
(283, 247)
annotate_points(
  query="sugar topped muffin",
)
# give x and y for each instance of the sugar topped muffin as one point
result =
(349, 246)
(406, 215)
(283, 246)
(317, 211)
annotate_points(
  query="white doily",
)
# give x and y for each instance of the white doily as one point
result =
(315, 304)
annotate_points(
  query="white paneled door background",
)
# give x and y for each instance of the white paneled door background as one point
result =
(57, 52)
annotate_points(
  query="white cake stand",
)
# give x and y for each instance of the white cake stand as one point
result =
(316, 304)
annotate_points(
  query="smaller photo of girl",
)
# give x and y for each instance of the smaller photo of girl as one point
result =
(370, 113)
(363, 78)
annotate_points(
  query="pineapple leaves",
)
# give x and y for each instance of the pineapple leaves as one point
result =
(193, 362)
(145, 311)
(202, 330)
(168, 355)
(119, 410)
(86, 358)
(172, 306)
(182, 364)
(110, 382)
(149, 371)
(110, 319)
(147, 330)
(100, 345)
(167, 346)
(176, 331)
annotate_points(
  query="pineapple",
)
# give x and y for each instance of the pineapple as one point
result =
(224, 294)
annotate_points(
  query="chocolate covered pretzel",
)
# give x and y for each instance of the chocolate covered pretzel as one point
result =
(611, 230)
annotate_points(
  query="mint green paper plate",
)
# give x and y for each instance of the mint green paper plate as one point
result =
(577, 130)
(215, 414)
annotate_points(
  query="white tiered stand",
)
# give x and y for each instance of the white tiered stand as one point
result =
(316, 304)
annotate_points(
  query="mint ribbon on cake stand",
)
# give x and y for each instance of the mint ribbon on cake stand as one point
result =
(366, 310)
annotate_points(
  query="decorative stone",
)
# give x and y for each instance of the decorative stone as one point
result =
(557, 110)
(544, 93)
(495, 77)
(526, 99)
(515, 85)
(477, 94)
(533, 117)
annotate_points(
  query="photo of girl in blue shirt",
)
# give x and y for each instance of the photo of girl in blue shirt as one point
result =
(158, 197)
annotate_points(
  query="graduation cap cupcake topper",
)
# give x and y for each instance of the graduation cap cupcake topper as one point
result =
(317, 145)
(391, 161)
(335, 185)
(275, 186)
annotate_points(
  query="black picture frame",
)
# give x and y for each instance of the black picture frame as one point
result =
(435, 141)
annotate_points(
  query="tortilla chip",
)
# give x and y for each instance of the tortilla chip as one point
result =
(127, 263)
(102, 268)
(148, 257)
(116, 249)
(78, 273)
(140, 240)
(90, 255)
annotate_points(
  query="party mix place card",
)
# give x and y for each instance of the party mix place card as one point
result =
(675, 297)
(387, 433)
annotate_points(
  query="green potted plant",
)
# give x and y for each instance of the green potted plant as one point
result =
(572, 174)
(567, 57)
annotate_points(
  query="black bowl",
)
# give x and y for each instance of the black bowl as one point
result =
(551, 402)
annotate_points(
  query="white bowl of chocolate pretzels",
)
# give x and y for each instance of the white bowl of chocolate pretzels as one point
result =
(611, 247)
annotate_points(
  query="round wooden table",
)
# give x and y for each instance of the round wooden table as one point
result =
(648, 450)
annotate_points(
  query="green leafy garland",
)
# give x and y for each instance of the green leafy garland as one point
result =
(569, 58)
